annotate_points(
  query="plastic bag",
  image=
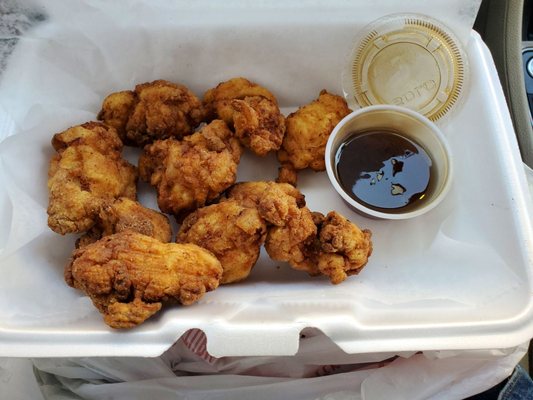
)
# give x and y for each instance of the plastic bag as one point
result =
(430, 375)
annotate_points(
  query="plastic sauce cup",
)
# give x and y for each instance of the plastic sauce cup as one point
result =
(410, 125)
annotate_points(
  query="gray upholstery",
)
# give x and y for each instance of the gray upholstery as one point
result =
(500, 24)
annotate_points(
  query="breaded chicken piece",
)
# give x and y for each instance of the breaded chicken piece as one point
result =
(116, 110)
(292, 241)
(92, 134)
(291, 225)
(129, 276)
(251, 110)
(258, 124)
(218, 100)
(234, 234)
(308, 130)
(337, 248)
(126, 214)
(344, 248)
(86, 172)
(287, 174)
(276, 202)
(191, 172)
(154, 110)
(310, 242)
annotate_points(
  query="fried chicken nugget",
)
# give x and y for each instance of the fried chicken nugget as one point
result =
(92, 134)
(287, 174)
(154, 110)
(218, 100)
(86, 172)
(126, 214)
(251, 110)
(308, 130)
(129, 276)
(191, 172)
(308, 241)
(337, 248)
(116, 110)
(291, 242)
(234, 234)
(258, 124)
(344, 248)
(291, 225)
(276, 202)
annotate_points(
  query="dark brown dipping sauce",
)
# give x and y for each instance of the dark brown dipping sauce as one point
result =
(383, 170)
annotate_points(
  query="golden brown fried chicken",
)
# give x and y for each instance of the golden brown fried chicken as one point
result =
(129, 276)
(251, 110)
(234, 234)
(276, 202)
(86, 172)
(191, 172)
(92, 134)
(258, 124)
(116, 110)
(92, 235)
(287, 174)
(308, 130)
(292, 241)
(292, 229)
(344, 248)
(126, 214)
(337, 248)
(218, 100)
(154, 110)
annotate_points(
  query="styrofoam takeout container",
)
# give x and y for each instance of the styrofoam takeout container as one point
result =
(458, 277)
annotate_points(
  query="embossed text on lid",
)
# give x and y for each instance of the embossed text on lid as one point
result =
(410, 61)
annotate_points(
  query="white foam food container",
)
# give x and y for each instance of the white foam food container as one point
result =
(458, 277)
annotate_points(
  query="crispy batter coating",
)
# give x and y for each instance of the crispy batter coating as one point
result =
(154, 110)
(337, 248)
(292, 241)
(86, 172)
(234, 234)
(344, 248)
(218, 100)
(276, 202)
(308, 130)
(251, 110)
(92, 235)
(116, 110)
(92, 134)
(287, 174)
(129, 276)
(258, 124)
(191, 172)
(293, 230)
(292, 227)
(126, 214)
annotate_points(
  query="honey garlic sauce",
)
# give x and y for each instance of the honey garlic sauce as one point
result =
(383, 170)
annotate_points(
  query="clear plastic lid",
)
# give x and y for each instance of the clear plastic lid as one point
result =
(407, 60)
